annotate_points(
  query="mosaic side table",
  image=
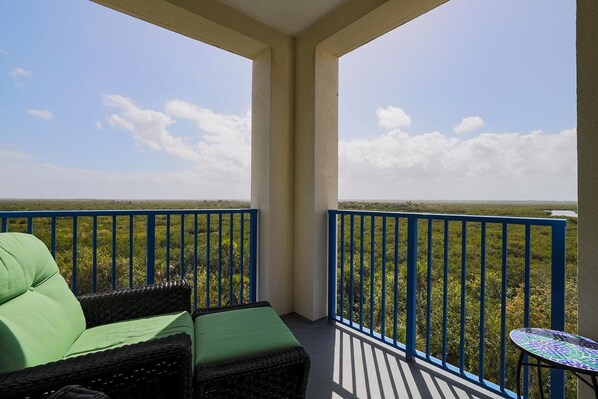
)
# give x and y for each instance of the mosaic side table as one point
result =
(556, 349)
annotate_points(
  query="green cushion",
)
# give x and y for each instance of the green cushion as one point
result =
(40, 317)
(24, 262)
(109, 336)
(239, 334)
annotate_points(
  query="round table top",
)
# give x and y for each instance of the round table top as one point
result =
(557, 347)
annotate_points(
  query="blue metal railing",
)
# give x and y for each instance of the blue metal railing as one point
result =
(454, 279)
(99, 250)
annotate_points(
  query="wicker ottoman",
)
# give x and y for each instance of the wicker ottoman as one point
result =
(246, 351)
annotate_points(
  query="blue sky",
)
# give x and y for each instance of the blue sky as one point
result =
(474, 100)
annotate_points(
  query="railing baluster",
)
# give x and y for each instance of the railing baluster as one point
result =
(74, 286)
(361, 251)
(372, 270)
(253, 255)
(94, 254)
(383, 310)
(219, 259)
(182, 257)
(195, 261)
(503, 307)
(332, 248)
(351, 272)
(463, 288)
(241, 254)
(150, 245)
(445, 292)
(526, 300)
(395, 317)
(53, 236)
(482, 297)
(208, 273)
(342, 267)
(231, 261)
(131, 249)
(167, 271)
(113, 252)
(429, 289)
(29, 225)
(411, 287)
(5, 224)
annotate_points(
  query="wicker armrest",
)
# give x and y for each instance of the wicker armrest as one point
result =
(110, 307)
(201, 311)
(159, 368)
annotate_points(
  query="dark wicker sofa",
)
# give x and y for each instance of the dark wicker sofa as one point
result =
(156, 368)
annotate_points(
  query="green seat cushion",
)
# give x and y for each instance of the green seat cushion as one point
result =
(40, 317)
(240, 334)
(114, 335)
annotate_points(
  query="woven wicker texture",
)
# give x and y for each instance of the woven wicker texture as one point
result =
(77, 392)
(281, 374)
(110, 307)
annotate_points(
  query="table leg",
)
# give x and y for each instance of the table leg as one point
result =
(519, 366)
(540, 384)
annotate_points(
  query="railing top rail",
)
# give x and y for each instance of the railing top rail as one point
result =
(456, 217)
(120, 212)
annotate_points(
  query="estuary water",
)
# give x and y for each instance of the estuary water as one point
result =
(570, 214)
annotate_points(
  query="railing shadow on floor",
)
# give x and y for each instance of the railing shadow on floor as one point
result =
(347, 364)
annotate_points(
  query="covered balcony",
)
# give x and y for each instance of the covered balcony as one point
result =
(293, 245)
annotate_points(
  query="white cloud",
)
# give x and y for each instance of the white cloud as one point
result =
(14, 155)
(468, 124)
(508, 166)
(40, 113)
(226, 140)
(98, 125)
(17, 72)
(219, 148)
(25, 178)
(392, 117)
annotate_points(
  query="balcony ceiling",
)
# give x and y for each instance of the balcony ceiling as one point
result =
(289, 16)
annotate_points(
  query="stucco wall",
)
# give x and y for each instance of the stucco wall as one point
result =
(587, 153)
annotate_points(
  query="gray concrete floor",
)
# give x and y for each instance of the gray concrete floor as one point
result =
(347, 364)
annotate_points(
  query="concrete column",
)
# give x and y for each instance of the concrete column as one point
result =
(316, 173)
(587, 155)
(272, 174)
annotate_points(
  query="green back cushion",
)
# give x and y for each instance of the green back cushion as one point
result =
(240, 334)
(110, 336)
(40, 317)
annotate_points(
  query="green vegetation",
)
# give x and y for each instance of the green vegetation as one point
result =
(383, 280)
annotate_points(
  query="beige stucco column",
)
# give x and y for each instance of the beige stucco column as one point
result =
(316, 173)
(587, 155)
(272, 174)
